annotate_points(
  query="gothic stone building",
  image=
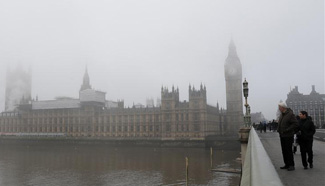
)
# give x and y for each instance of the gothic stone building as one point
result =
(90, 115)
(93, 116)
(313, 103)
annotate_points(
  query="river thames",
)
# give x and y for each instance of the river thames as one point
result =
(87, 164)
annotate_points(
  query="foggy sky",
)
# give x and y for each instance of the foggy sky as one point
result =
(133, 47)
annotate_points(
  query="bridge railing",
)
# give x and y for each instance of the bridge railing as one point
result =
(258, 169)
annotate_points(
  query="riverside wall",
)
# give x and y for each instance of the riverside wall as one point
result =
(227, 143)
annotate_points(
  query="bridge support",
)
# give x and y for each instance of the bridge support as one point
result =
(243, 137)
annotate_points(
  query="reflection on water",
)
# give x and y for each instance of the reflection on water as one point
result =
(78, 165)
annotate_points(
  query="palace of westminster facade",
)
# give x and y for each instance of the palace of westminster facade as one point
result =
(93, 116)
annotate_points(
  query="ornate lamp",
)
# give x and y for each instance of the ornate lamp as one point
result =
(245, 90)
(247, 117)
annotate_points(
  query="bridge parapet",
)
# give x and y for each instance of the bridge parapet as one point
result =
(258, 168)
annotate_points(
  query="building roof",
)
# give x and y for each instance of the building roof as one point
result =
(89, 95)
(295, 95)
(56, 104)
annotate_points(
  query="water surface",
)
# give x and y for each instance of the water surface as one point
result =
(86, 164)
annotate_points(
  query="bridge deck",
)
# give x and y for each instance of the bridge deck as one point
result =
(312, 177)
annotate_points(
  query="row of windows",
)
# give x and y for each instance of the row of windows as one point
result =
(307, 107)
(63, 112)
(83, 128)
(55, 121)
(112, 119)
(50, 128)
(75, 122)
(58, 112)
(310, 111)
(306, 102)
(11, 114)
(182, 128)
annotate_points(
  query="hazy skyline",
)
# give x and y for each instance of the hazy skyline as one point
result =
(133, 48)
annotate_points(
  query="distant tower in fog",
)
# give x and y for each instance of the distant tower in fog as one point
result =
(150, 103)
(18, 88)
(86, 83)
(234, 96)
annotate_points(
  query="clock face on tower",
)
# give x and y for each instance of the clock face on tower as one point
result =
(232, 71)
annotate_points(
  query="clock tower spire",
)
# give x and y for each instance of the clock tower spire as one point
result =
(233, 76)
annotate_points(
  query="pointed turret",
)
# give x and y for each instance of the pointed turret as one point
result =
(232, 49)
(85, 85)
(313, 91)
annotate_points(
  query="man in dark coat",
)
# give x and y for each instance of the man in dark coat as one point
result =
(305, 138)
(287, 127)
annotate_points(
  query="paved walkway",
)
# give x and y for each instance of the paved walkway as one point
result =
(299, 177)
(320, 134)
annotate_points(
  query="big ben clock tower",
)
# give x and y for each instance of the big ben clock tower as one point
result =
(234, 97)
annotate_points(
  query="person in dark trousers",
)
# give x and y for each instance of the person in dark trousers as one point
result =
(287, 126)
(274, 125)
(270, 126)
(305, 138)
(260, 126)
(264, 127)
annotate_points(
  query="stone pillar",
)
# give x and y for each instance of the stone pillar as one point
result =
(243, 137)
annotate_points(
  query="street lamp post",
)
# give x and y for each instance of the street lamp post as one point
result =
(247, 117)
(244, 131)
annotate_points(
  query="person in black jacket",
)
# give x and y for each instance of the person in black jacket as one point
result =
(305, 137)
(287, 127)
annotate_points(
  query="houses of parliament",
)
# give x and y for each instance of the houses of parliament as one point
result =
(91, 115)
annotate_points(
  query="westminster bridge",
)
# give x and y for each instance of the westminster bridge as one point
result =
(264, 158)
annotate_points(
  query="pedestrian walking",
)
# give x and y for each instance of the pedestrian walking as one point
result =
(274, 125)
(305, 137)
(260, 126)
(287, 126)
(264, 127)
